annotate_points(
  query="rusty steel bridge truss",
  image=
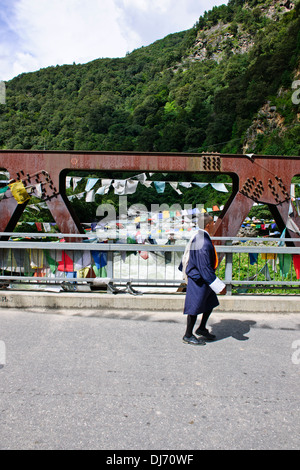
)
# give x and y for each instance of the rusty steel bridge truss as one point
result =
(256, 178)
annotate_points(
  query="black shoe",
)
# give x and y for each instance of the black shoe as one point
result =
(204, 332)
(193, 340)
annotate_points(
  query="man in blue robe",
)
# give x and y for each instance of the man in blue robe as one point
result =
(198, 265)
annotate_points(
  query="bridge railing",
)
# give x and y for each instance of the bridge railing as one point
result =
(47, 261)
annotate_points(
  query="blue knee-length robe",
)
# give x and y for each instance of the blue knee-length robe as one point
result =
(202, 283)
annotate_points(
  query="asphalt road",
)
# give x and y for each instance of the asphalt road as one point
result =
(125, 382)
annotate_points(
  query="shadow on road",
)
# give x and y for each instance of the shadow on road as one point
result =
(229, 328)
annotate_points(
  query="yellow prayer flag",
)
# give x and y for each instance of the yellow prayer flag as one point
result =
(266, 256)
(83, 272)
(19, 192)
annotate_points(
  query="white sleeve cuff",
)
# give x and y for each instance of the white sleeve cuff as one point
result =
(217, 286)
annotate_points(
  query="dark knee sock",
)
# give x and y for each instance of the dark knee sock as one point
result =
(205, 317)
(191, 320)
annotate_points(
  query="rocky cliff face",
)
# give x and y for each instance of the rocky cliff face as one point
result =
(231, 38)
(267, 121)
(224, 39)
(218, 41)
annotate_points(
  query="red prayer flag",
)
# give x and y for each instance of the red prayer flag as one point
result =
(296, 261)
(66, 264)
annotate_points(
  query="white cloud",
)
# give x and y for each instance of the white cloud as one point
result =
(145, 5)
(69, 30)
(155, 19)
(39, 33)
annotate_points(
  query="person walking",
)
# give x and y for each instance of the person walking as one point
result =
(198, 266)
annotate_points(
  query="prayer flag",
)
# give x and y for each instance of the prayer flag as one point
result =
(160, 186)
(90, 196)
(296, 262)
(219, 187)
(75, 181)
(285, 261)
(253, 258)
(53, 264)
(91, 183)
(19, 192)
(66, 264)
(131, 186)
(100, 259)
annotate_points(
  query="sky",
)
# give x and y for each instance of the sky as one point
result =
(39, 33)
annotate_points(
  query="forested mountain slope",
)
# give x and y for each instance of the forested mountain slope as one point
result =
(229, 84)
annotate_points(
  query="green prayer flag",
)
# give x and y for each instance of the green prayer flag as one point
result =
(285, 261)
(52, 263)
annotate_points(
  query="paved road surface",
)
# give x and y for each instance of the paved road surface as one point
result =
(121, 381)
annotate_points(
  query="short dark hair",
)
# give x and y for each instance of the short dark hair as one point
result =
(204, 219)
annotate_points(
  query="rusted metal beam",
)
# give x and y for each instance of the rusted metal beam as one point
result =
(256, 178)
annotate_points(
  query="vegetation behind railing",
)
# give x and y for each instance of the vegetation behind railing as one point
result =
(246, 264)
